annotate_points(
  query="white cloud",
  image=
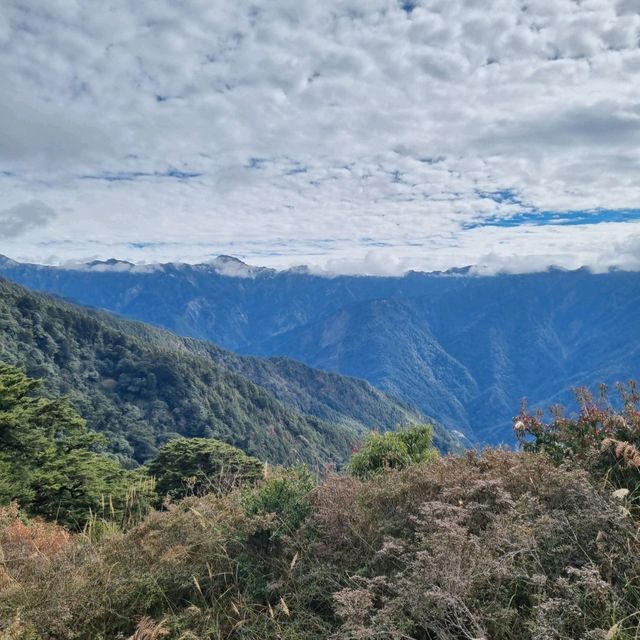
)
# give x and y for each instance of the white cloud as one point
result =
(348, 134)
(22, 218)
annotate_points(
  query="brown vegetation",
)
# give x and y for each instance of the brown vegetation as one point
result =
(499, 546)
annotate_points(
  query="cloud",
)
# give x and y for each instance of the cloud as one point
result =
(291, 132)
(624, 254)
(22, 218)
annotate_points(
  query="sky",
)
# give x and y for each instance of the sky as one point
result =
(354, 136)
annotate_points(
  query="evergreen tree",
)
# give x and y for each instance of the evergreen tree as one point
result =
(49, 461)
(196, 466)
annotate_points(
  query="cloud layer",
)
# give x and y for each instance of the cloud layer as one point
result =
(22, 218)
(356, 135)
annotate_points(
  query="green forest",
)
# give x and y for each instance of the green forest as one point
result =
(141, 387)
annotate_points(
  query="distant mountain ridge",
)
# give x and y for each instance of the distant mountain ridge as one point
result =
(141, 386)
(463, 348)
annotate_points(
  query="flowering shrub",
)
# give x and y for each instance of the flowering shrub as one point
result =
(601, 438)
(578, 437)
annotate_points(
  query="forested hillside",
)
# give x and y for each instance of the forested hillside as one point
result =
(142, 386)
(325, 395)
(460, 347)
(141, 395)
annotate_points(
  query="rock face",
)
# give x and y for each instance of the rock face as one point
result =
(462, 348)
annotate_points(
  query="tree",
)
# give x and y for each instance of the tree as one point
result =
(196, 466)
(393, 450)
(49, 461)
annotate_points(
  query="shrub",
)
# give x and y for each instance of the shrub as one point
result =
(285, 494)
(26, 544)
(196, 466)
(177, 559)
(502, 546)
(600, 438)
(393, 450)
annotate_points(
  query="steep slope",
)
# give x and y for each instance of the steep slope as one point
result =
(50, 337)
(335, 398)
(538, 336)
(462, 348)
(141, 394)
(467, 354)
(383, 341)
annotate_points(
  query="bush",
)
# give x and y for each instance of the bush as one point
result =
(27, 543)
(393, 450)
(600, 438)
(503, 545)
(196, 466)
(286, 494)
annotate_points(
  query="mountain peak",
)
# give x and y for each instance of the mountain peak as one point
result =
(230, 259)
(110, 262)
(5, 261)
(234, 267)
(467, 270)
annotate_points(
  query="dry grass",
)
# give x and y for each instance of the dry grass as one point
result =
(498, 546)
(501, 546)
(148, 629)
(624, 451)
(25, 548)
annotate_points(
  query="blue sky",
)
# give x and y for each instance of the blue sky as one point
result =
(367, 136)
(558, 218)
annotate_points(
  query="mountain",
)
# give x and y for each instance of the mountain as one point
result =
(329, 396)
(142, 386)
(462, 348)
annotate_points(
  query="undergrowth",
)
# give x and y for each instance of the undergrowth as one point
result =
(498, 545)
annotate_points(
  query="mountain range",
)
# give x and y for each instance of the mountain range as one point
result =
(460, 347)
(142, 386)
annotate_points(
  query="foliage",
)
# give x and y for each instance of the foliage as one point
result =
(393, 450)
(502, 545)
(285, 494)
(24, 543)
(326, 395)
(498, 546)
(49, 462)
(196, 466)
(601, 438)
(142, 387)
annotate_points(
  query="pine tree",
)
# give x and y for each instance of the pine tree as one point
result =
(49, 461)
